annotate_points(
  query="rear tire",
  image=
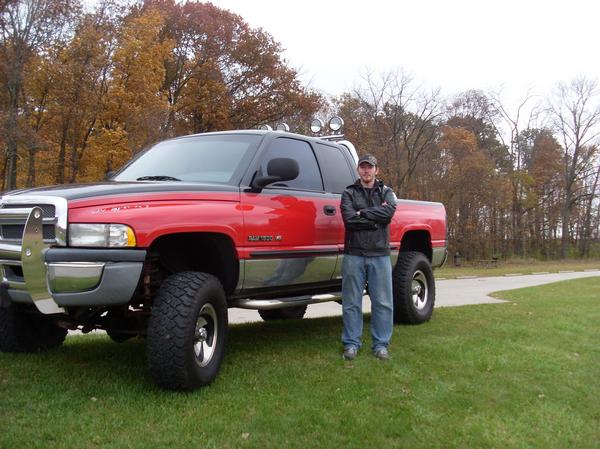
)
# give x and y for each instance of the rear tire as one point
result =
(286, 313)
(187, 331)
(25, 330)
(414, 288)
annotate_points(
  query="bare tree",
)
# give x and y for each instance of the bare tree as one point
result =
(514, 122)
(588, 212)
(405, 117)
(575, 114)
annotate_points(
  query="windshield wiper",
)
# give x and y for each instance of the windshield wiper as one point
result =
(157, 178)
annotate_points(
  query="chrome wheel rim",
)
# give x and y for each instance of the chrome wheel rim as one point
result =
(206, 335)
(419, 290)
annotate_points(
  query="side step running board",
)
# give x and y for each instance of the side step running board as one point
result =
(280, 303)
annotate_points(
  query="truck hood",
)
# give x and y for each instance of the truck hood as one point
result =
(81, 191)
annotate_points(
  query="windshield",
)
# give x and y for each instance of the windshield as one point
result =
(208, 158)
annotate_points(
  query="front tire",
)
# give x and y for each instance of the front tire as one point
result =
(414, 288)
(25, 330)
(187, 331)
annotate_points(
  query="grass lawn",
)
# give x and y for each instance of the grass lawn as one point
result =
(520, 375)
(523, 266)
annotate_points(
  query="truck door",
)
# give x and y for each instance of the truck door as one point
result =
(292, 229)
(338, 172)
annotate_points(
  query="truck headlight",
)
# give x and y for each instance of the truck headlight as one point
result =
(101, 235)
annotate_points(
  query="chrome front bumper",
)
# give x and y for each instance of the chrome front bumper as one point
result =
(54, 278)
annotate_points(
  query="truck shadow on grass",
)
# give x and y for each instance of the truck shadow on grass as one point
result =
(92, 361)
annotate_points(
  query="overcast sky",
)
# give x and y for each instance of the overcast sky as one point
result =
(453, 44)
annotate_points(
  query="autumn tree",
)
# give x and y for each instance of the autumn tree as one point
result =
(473, 194)
(65, 91)
(541, 168)
(474, 111)
(83, 76)
(134, 107)
(39, 86)
(27, 27)
(223, 74)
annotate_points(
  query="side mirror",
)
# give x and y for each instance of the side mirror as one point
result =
(278, 169)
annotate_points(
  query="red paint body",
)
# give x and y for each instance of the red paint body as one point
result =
(295, 222)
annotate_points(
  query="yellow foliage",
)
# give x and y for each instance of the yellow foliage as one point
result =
(135, 101)
(108, 151)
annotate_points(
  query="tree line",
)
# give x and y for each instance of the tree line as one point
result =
(520, 183)
(84, 91)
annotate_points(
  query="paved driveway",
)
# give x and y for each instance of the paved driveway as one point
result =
(449, 293)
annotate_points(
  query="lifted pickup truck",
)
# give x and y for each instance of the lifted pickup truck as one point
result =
(187, 229)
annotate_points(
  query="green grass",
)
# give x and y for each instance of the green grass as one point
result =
(523, 374)
(523, 266)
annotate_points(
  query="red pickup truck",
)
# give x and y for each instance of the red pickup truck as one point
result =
(187, 229)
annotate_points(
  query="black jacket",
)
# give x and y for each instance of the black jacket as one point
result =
(367, 234)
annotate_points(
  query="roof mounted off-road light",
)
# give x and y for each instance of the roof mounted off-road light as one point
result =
(335, 124)
(283, 127)
(316, 125)
(265, 128)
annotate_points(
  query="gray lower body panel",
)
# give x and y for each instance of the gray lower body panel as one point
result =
(439, 256)
(116, 286)
(260, 273)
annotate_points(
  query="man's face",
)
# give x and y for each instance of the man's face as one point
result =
(367, 172)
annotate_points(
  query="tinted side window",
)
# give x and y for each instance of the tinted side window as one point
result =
(336, 172)
(309, 177)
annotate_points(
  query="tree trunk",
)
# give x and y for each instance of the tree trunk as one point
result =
(31, 168)
(12, 131)
(586, 234)
(60, 165)
(566, 221)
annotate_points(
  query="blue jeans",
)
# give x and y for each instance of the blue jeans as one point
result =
(356, 271)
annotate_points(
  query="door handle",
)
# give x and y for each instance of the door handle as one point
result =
(329, 210)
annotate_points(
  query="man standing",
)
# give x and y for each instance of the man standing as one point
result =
(367, 209)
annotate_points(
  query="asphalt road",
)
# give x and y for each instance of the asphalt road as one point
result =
(449, 293)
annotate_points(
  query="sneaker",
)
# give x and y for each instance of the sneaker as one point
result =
(350, 353)
(381, 354)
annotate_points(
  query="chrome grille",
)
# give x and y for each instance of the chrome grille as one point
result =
(15, 232)
(14, 211)
(12, 224)
(48, 210)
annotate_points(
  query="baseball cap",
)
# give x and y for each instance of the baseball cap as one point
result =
(369, 159)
